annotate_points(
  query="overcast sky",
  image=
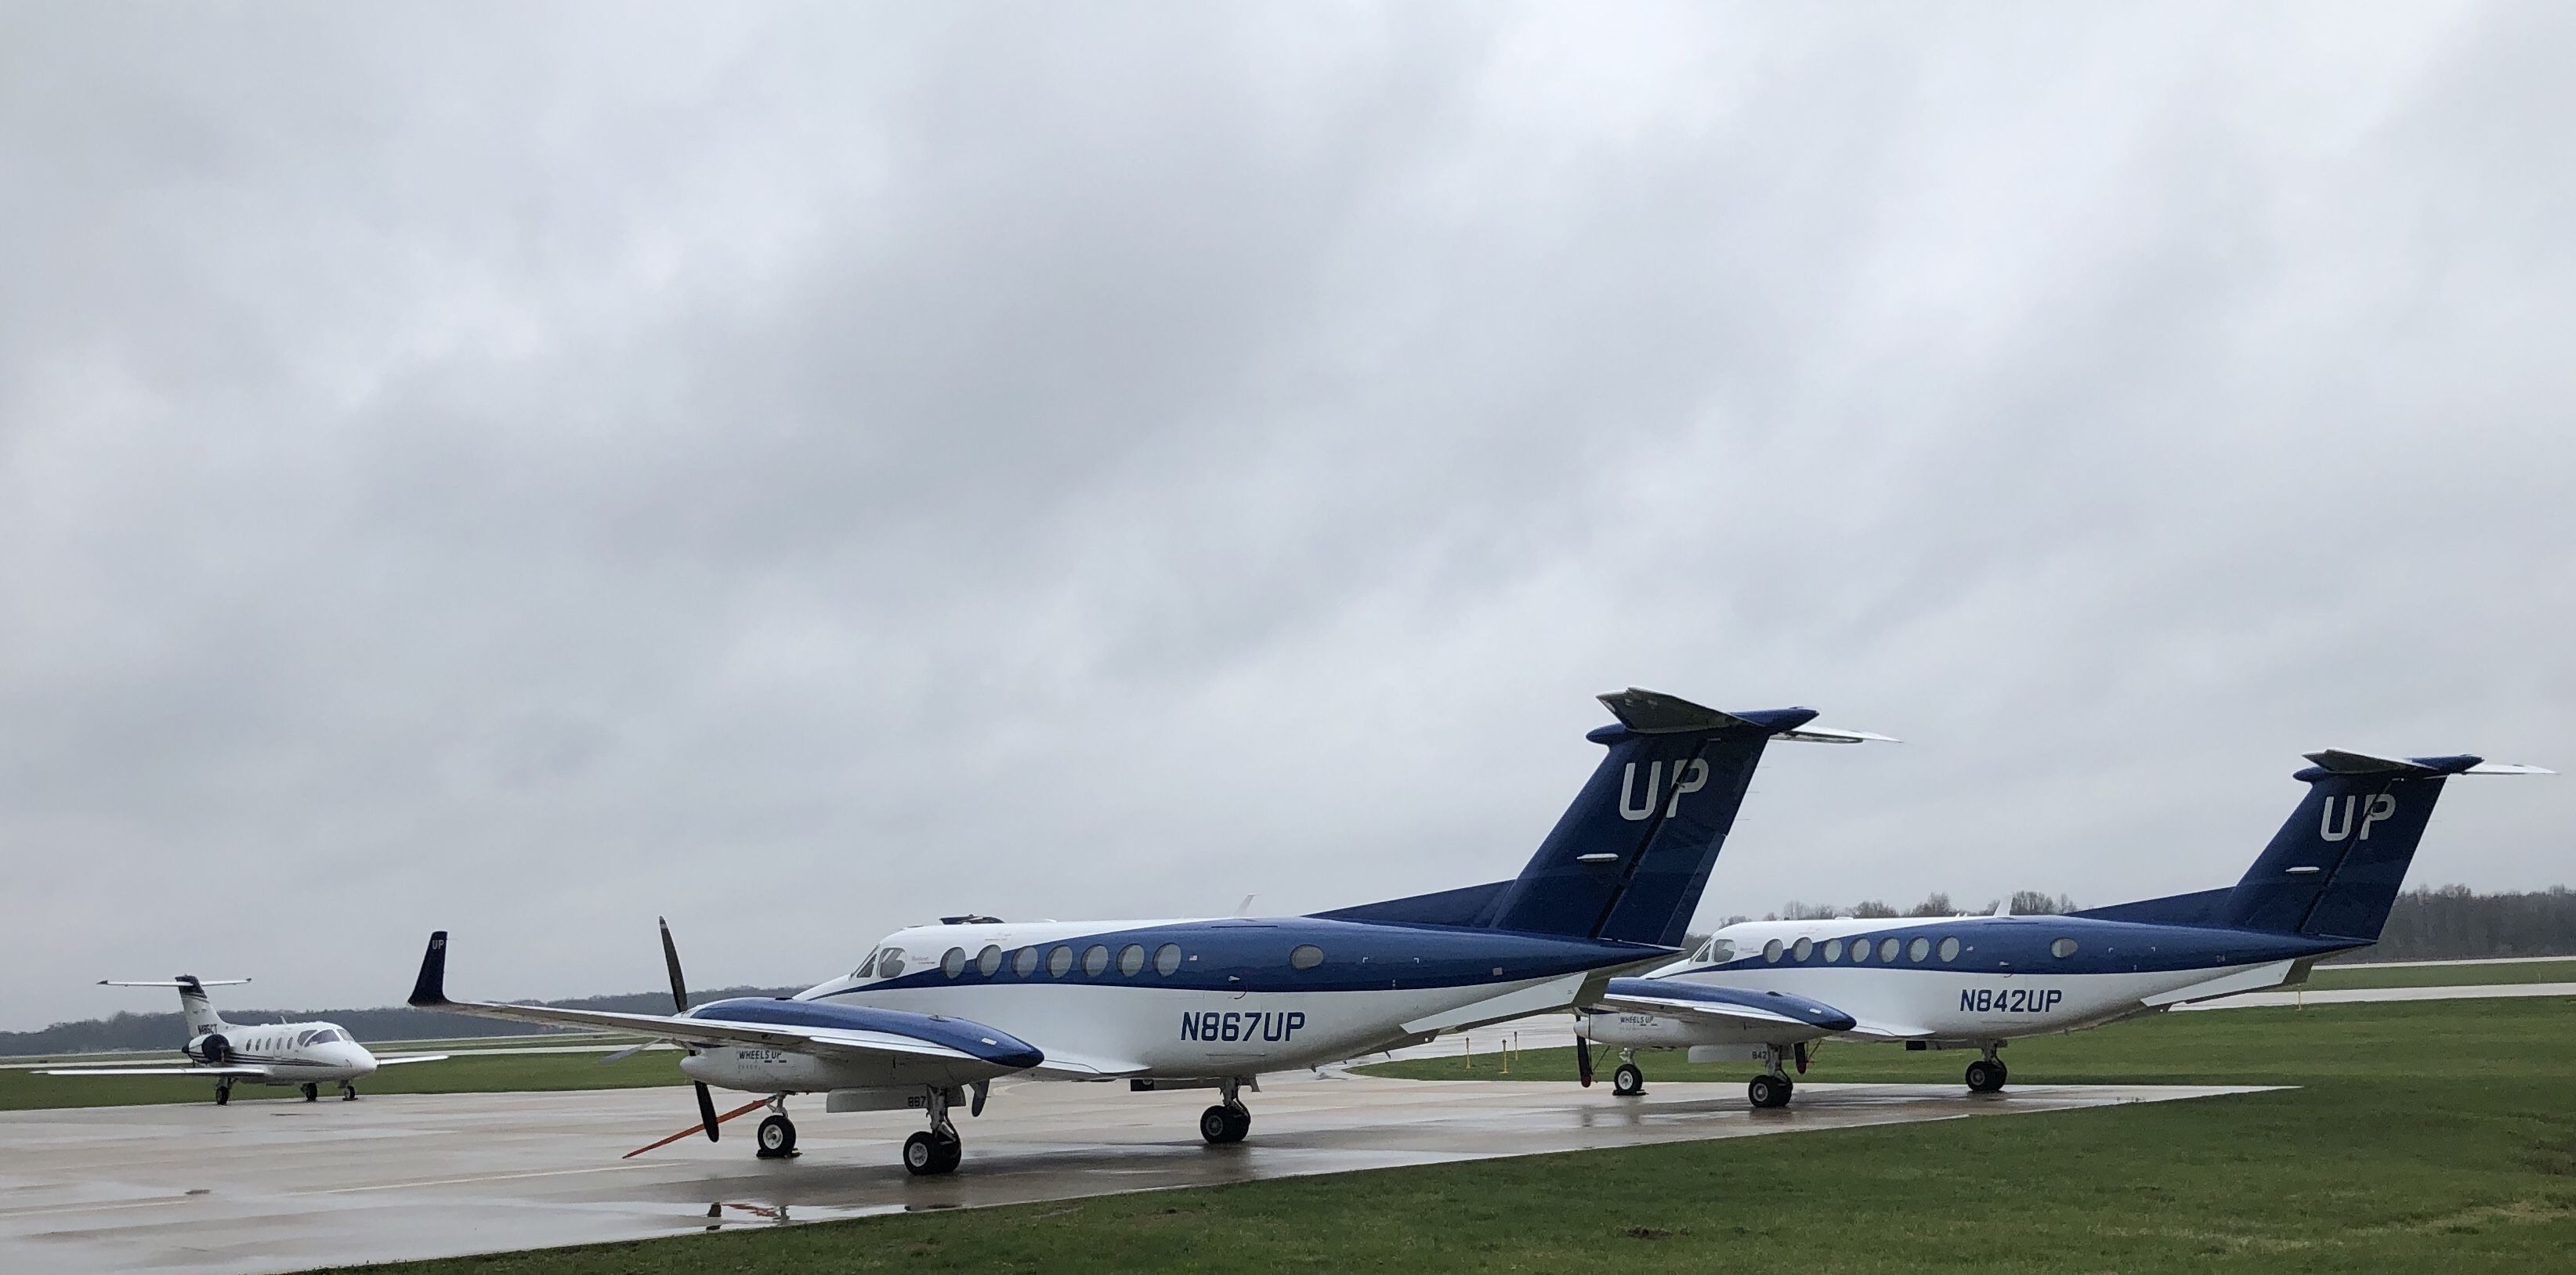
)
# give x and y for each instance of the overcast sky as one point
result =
(807, 470)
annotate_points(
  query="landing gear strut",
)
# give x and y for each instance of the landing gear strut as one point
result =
(1987, 1074)
(1229, 1120)
(312, 1092)
(1772, 1088)
(933, 1151)
(777, 1136)
(1630, 1080)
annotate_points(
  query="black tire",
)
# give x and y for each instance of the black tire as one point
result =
(921, 1155)
(1216, 1126)
(313, 1093)
(1985, 1077)
(1238, 1124)
(1628, 1081)
(223, 1094)
(951, 1151)
(776, 1138)
(1767, 1092)
(348, 1093)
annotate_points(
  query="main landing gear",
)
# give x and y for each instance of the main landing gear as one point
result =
(777, 1135)
(223, 1092)
(1773, 1089)
(312, 1092)
(1630, 1080)
(1987, 1074)
(1228, 1121)
(933, 1151)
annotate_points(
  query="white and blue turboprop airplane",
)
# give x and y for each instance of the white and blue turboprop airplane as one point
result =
(1765, 990)
(937, 1012)
(304, 1055)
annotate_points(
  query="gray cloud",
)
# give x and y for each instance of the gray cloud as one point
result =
(808, 469)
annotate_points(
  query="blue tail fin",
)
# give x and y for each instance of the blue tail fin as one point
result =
(1630, 858)
(2332, 871)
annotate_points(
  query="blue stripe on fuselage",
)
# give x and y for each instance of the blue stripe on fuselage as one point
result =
(988, 1044)
(1822, 1015)
(2021, 945)
(1252, 956)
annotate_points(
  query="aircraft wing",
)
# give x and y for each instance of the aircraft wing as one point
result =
(844, 1031)
(1077, 1067)
(1673, 998)
(158, 1071)
(1885, 1031)
(388, 1062)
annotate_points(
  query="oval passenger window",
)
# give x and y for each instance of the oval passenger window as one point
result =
(1095, 960)
(989, 961)
(1131, 959)
(1833, 950)
(1305, 956)
(1802, 949)
(1167, 959)
(1025, 963)
(1060, 962)
(1950, 948)
(1771, 950)
(1919, 948)
(1887, 949)
(1860, 950)
(954, 963)
(2062, 948)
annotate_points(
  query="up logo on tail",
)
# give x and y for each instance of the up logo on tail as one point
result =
(2381, 806)
(1688, 776)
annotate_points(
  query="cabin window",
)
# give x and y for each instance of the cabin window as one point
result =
(890, 963)
(1167, 959)
(1919, 948)
(1131, 959)
(1026, 963)
(1950, 948)
(1771, 950)
(302, 1039)
(1095, 960)
(1833, 950)
(954, 963)
(1802, 949)
(1887, 948)
(1305, 956)
(2062, 948)
(989, 961)
(1060, 962)
(1860, 950)
(868, 967)
(1721, 950)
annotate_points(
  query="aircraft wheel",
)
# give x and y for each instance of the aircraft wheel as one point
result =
(926, 1154)
(1768, 1091)
(348, 1092)
(223, 1094)
(777, 1138)
(1628, 1081)
(1985, 1077)
(1222, 1124)
(313, 1093)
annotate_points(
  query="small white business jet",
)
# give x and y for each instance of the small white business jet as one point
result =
(305, 1055)
(935, 1013)
(1765, 990)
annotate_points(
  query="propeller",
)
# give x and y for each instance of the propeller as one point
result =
(1582, 1053)
(707, 1117)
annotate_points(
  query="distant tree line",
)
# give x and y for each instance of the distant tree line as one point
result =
(169, 1031)
(2438, 923)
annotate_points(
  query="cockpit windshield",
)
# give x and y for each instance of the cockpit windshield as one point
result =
(890, 962)
(326, 1036)
(868, 967)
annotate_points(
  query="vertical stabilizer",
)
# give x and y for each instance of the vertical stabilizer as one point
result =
(194, 1005)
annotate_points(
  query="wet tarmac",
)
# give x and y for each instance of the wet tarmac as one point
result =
(279, 1186)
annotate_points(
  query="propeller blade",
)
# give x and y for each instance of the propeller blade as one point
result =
(706, 1110)
(1583, 1061)
(743, 1110)
(671, 958)
(980, 1088)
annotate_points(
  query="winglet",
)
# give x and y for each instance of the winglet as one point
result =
(431, 988)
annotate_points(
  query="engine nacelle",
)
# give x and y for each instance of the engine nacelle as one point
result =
(757, 1070)
(1643, 1031)
(211, 1049)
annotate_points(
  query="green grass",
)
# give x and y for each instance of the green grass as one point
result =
(2426, 1136)
(2485, 972)
(22, 1090)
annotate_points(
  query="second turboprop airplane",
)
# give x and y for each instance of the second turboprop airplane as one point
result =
(935, 1013)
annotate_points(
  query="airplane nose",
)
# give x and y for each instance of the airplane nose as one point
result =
(361, 1061)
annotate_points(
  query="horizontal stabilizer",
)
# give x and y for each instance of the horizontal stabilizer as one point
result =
(172, 982)
(2337, 761)
(1831, 735)
(2506, 768)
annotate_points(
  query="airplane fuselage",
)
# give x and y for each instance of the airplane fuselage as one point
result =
(283, 1053)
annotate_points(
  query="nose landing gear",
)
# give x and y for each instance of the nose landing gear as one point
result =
(348, 1092)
